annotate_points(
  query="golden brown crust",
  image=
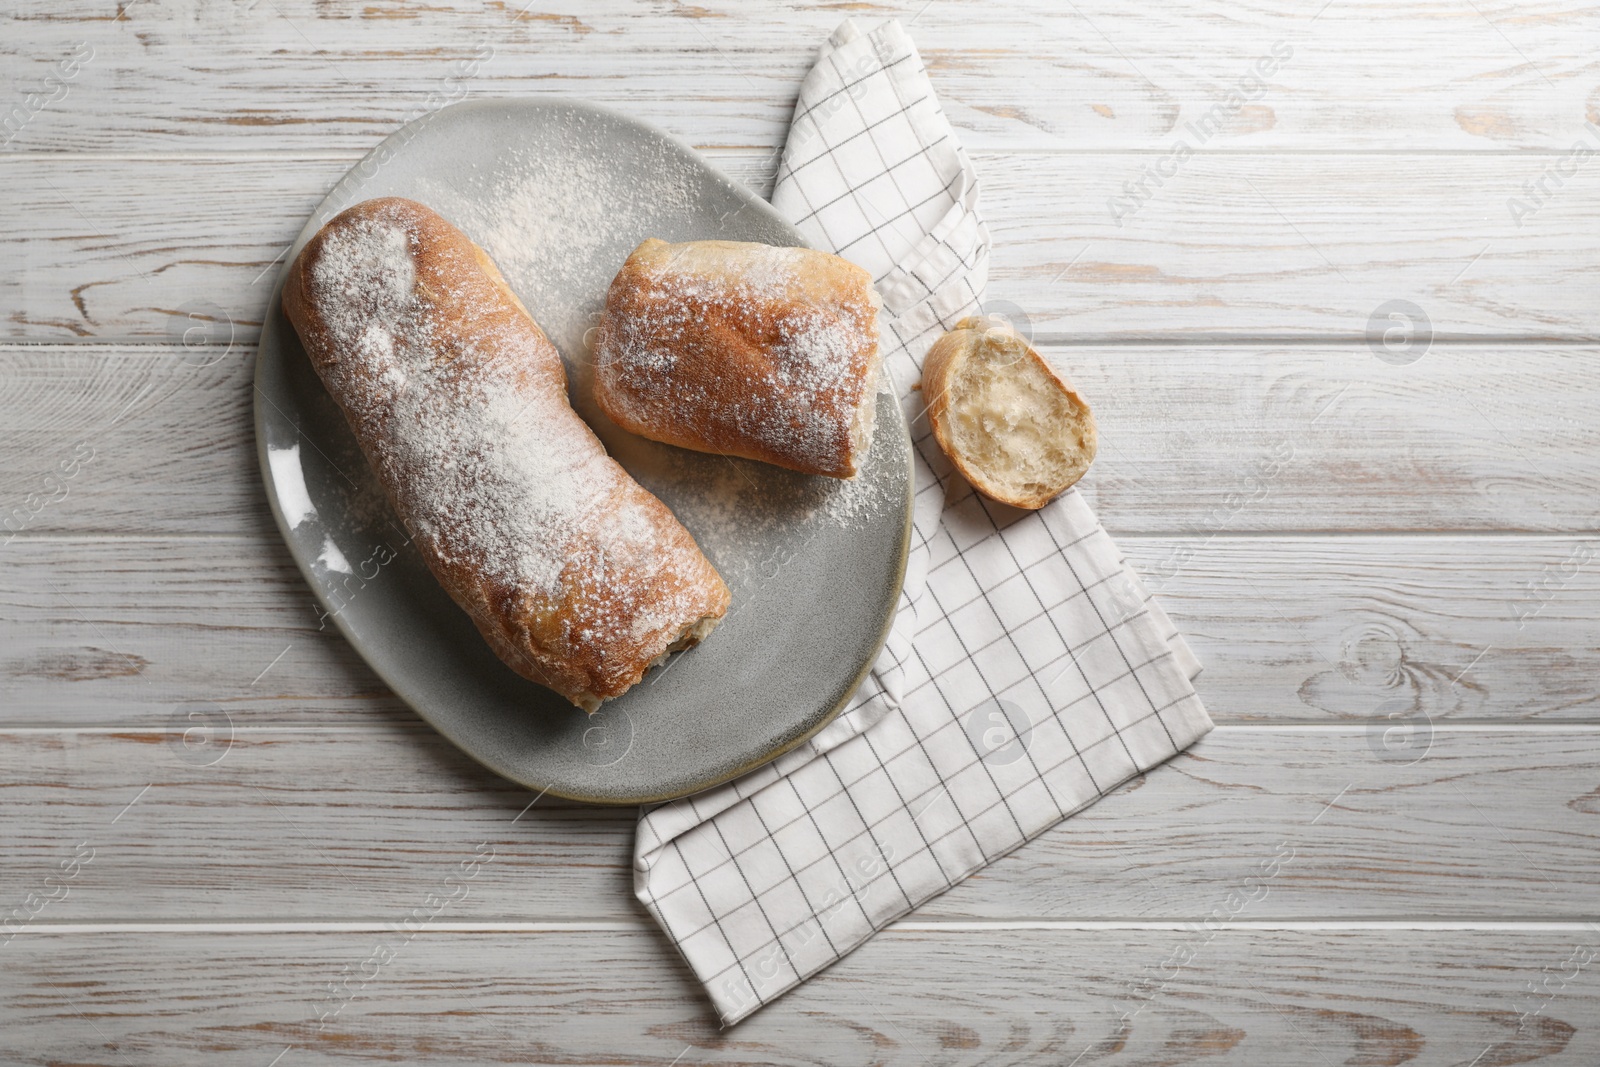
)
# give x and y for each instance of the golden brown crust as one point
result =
(744, 350)
(577, 577)
(940, 369)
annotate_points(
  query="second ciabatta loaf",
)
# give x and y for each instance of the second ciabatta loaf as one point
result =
(1011, 425)
(576, 576)
(744, 350)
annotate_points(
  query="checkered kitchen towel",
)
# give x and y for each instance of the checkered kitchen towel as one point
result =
(1027, 672)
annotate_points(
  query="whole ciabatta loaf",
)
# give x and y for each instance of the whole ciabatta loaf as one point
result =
(1011, 425)
(743, 349)
(577, 577)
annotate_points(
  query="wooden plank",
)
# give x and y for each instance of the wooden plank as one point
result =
(1193, 441)
(141, 632)
(1239, 247)
(1291, 629)
(298, 75)
(122, 439)
(281, 823)
(66, 278)
(1248, 247)
(985, 996)
(1331, 438)
(1331, 628)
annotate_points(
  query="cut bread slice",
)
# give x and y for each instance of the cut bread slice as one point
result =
(1011, 425)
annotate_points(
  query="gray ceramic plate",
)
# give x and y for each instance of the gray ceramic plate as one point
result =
(559, 193)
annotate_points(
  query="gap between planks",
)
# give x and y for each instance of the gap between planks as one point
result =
(1307, 534)
(389, 726)
(148, 348)
(743, 151)
(917, 926)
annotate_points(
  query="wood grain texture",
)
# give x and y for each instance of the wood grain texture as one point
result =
(1327, 628)
(300, 75)
(140, 632)
(1233, 246)
(1194, 440)
(1248, 996)
(264, 824)
(1387, 569)
(1334, 628)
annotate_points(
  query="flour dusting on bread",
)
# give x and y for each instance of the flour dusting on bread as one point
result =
(576, 574)
(743, 349)
(530, 483)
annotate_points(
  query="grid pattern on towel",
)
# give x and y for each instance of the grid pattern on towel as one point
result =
(1027, 672)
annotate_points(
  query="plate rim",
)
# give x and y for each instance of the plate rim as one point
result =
(262, 402)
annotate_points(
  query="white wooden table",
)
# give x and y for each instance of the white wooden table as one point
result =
(216, 820)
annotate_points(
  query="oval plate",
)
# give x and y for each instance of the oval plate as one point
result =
(559, 194)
